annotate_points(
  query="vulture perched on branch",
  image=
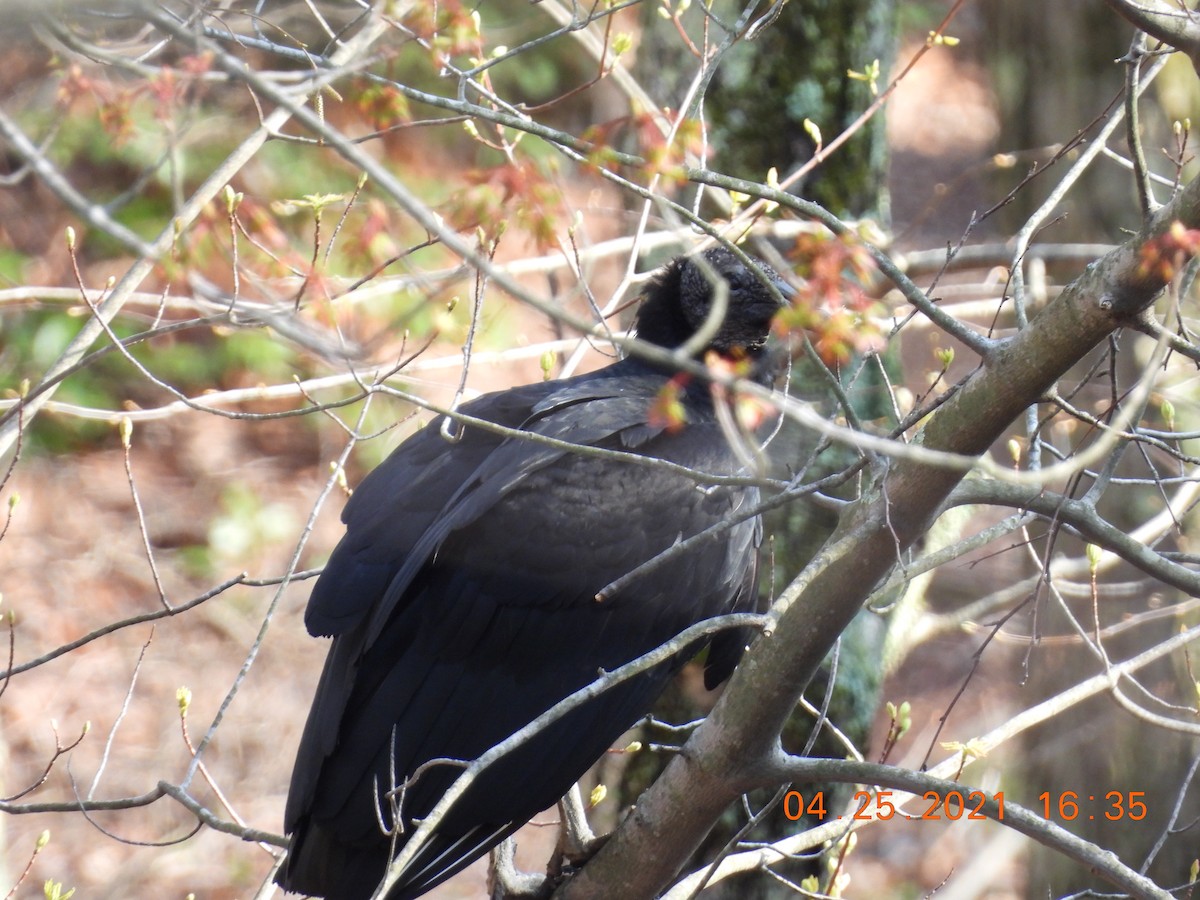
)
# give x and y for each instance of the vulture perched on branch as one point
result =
(468, 595)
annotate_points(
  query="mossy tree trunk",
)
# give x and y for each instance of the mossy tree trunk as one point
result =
(757, 105)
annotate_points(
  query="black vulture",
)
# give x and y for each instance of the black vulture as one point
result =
(462, 599)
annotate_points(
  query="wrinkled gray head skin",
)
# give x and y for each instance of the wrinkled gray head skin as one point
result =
(679, 300)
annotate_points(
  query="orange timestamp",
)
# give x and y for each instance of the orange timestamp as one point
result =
(871, 805)
(1114, 806)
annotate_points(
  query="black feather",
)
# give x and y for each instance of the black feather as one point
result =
(461, 600)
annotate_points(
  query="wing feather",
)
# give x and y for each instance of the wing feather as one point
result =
(441, 597)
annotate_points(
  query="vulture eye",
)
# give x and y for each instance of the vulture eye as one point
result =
(739, 279)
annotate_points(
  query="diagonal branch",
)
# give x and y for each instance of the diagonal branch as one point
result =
(741, 735)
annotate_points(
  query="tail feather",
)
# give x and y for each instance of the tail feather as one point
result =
(321, 866)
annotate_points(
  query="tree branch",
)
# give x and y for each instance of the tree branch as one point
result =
(1081, 516)
(1176, 27)
(742, 732)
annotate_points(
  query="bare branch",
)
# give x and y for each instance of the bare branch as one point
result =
(1165, 22)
